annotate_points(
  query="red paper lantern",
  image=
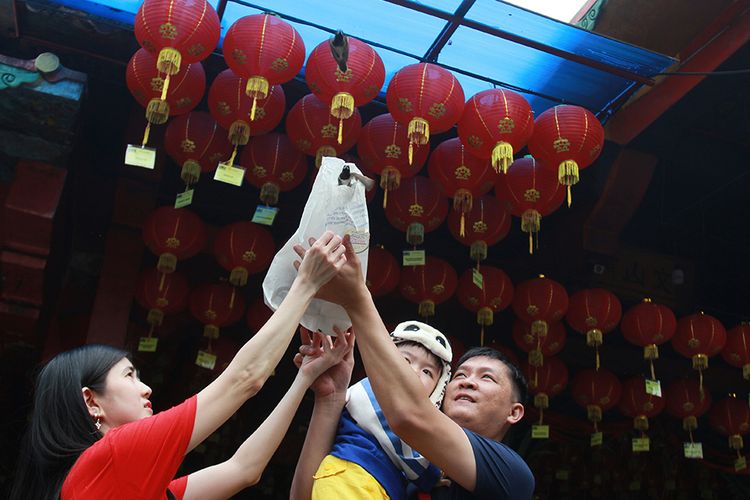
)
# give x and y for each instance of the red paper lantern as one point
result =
(161, 294)
(532, 192)
(494, 296)
(545, 382)
(736, 352)
(594, 312)
(216, 306)
(597, 391)
(146, 84)
(273, 164)
(496, 123)
(244, 248)
(383, 272)
(417, 207)
(265, 50)
(179, 34)
(648, 325)
(231, 108)
(505, 351)
(731, 417)
(382, 147)
(196, 142)
(173, 234)
(539, 302)
(698, 337)
(357, 85)
(427, 99)
(462, 176)
(312, 129)
(567, 138)
(258, 314)
(684, 400)
(539, 347)
(639, 405)
(486, 224)
(428, 285)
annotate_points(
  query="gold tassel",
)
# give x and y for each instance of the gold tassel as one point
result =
(161, 281)
(735, 442)
(567, 174)
(165, 87)
(257, 88)
(539, 327)
(323, 151)
(462, 228)
(641, 423)
(690, 423)
(167, 263)
(238, 276)
(211, 332)
(269, 193)
(411, 152)
(570, 197)
(385, 198)
(157, 111)
(239, 133)
(341, 130)
(700, 385)
(231, 299)
(478, 251)
(594, 413)
(502, 157)
(426, 308)
(746, 372)
(531, 221)
(169, 61)
(390, 179)
(191, 172)
(342, 106)
(145, 134)
(415, 234)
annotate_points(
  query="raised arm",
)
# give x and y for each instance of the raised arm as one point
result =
(330, 398)
(251, 458)
(255, 361)
(409, 412)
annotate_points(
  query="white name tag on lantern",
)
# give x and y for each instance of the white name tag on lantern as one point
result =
(540, 431)
(414, 258)
(184, 199)
(140, 156)
(147, 344)
(653, 387)
(693, 450)
(641, 444)
(477, 278)
(205, 360)
(597, 438)
(229, 174)
(740, 463)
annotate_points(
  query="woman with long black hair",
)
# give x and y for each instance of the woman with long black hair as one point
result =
(93, 433)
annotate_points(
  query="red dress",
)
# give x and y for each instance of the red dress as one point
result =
(136, 460)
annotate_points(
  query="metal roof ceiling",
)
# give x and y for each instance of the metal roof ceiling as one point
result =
(486, 43)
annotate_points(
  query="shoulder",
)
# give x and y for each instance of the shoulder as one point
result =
(500, 468)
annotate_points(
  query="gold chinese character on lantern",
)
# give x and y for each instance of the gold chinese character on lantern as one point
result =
(416, 210)
(393, 151)
(157, 83)
(162, 302)
(462, 173)
(223, 108)
(280, 64)
(404, 104)
(210, 315)
(187, 146)
(479, 227)
(168, 31)
(344, 76)
(173, 242)
(694, 343)
(437, 110)
(409, 290)
(475, 141)
(532, 310)
(184, 102)
(561, 145)
(259, 171)
(329, 131)
(591, 321)
(531, 195)
(196, 49)
(239, 56)
(303, 144)
(287, 176)
(506, 125)
(248, 256)
(438, 289)
(260, 113)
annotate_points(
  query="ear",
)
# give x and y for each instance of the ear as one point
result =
(89, 399)
(516, 413)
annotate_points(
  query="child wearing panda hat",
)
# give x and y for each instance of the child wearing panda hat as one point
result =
(368, 460)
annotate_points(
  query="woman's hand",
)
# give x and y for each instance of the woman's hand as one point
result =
(336, 377)
(321, 261)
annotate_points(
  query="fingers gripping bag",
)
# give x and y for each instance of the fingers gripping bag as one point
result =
(336, 203)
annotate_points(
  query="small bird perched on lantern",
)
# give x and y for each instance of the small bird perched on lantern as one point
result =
(340, 49)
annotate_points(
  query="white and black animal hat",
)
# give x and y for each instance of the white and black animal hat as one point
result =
(433, 341)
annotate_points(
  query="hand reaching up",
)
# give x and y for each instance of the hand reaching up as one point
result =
(319, 263)
(336, 354)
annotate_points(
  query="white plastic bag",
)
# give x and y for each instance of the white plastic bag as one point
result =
(331, 206)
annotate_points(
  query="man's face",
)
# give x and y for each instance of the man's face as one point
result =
(480, 397)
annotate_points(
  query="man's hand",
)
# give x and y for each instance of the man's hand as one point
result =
(348, 285)
(324, 258)
(338, 361)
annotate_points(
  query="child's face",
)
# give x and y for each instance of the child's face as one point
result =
(424, 364)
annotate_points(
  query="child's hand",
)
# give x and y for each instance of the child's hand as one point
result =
(327, 360)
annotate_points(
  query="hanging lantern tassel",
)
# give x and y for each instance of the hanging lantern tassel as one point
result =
(415, 233)
(651, 352)
(690, 423)
(238, 276)
(168, 61)
(746, 371)
(426, 308)
(269, 193)
(210, 332)
(390, 179)
(531, 221)
(641, 423)
(485, 317)
(478, 251)
(539, 328)
(155, 317)
(191, 172)
(541, 402)
(735, 442)
(167, 264)
(502, 157)
(257, 87)
(342, 107)
(239, 133)
(594, 413)
(463, 201)
(323, 151)
(419, 133)
(567, 174)
(700, 363)
(594, 338)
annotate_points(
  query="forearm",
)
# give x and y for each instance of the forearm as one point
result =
(318, 442)
(398, 391)
(245, 467)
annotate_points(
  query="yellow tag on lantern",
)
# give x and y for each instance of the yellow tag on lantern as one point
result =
(693, 450)
(740, 463)
(229, 174)
(641, 444)
(635, 485)
(653, 387)
(562, 475)
(477, 278)
(206, 360)
(265, 215)
(414, 258)
(540, 431)
(147, 344)
(597, 438)
(184, 199)
(140, 156)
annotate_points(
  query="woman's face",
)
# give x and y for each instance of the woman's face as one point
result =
(125, 398)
